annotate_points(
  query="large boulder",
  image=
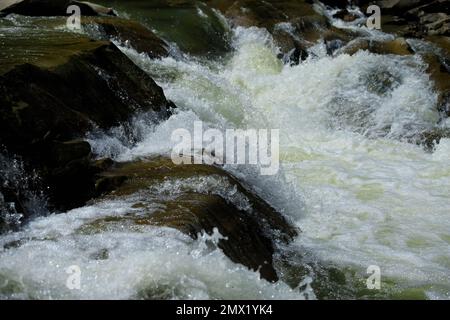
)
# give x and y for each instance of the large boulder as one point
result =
(196, 199)
(194, 27)
(55, 86)
(52, 8)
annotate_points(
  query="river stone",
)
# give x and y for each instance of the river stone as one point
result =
(66, 89)
(345, 15)
(252, 231)
(398, 46)
(195, 28)
(394, 6)
(55, 86)
(263, 13)
(381, 82)
(278, 17)
(64, 152)
(52, 8)
(127, 32)
(294, 25)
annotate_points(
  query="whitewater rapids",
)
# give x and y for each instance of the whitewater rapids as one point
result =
(361, 193)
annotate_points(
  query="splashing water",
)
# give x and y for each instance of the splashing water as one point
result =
(20, 194)
(359, 191)
(122, 262)
(350, 179)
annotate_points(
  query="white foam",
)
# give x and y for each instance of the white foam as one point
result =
(359, 192)
(140, 263)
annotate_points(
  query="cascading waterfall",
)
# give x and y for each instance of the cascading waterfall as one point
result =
(352, 179)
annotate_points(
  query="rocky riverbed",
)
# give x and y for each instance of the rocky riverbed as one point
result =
(85, 123)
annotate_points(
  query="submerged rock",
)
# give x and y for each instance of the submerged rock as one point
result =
(127, 32)
(441, 79)
(196, 199)
(381, 82)
(444, 103)
(262, 13)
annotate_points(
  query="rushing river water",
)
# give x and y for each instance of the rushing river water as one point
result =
(349, 179)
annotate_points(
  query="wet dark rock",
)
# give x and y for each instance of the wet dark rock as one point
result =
(381, 82)
(443, 45)
(294, 25)
(430, 139)
(71, 185)
(252, 231)
(52, 8)
(64, 152)
(307, 31)
(103, 164)
(93, 9)
(55, 88)
(102, 254)
(21, 195)
(40, 103)
(345, 15)
(311, 28)
(441, 79)
(395, 6)
(262, 13)
(336, 3)
(296, 55)
(417, 18)
(12, 208)
(432, 7)
(444, 103)
(397, 46)
(333, 45)
(107, 184)
(293, 50)
(436, 24)
(194, 27)
(127, 32)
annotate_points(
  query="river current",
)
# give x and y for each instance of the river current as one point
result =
(351, 178)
